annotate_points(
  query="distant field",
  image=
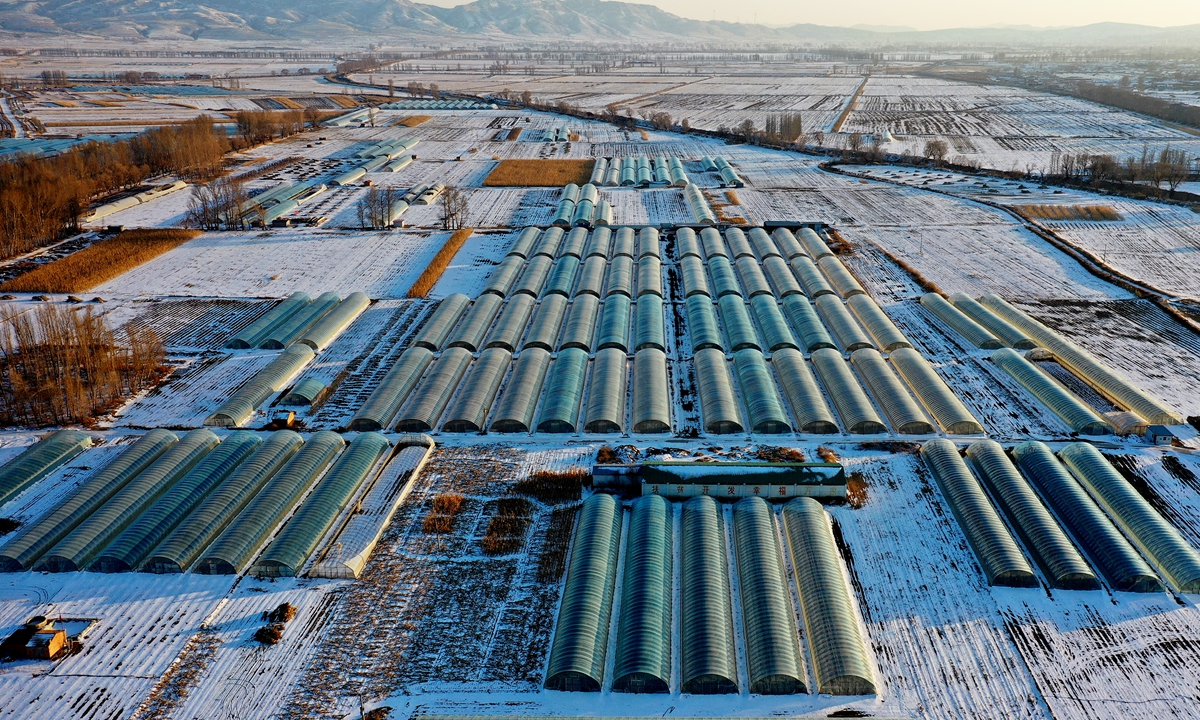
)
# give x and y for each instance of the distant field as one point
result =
(412, 120)
(99, 262)
(539, 173)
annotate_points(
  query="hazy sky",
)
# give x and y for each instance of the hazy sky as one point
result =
(932, 14)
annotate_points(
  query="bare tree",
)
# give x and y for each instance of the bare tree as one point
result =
(454, 208)
(936, 151)
(220, 203)
(855, 142)
(374, 209)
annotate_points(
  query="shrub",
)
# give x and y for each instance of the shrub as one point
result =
(506, 530)
(553, 486)
(441, 515)
(539, 173)
(286, 612)
(269, 634)
(99, 262)
(433, 272)
(607, 456)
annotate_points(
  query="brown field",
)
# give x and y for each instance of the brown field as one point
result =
(441, 516)
(288, 103)
(553, 486)
(412, 120)
(553, 562)
(514, 134)
(439, 263)
(506, 530)
(540, 173)
(99, 262)
(1069, 212)
(343, 101)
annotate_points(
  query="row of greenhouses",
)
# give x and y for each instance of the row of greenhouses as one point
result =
(992, 323)
(721, 166)
(167, 504)
(1048, 501)
(705, 655)
(581, 207)
(639, 171)
(299, 319)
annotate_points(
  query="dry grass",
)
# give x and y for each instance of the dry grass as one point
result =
(439, 263)
(514, 134)
(554, 486)
(540, 173)
(506, 530)
(772, 453)
(125, 123)
(732, 197)
(1098, 213)
(288, 103)
(269, 634)
(645, 135)
(827, 454)
(285, 612)
(343, 101)
(856, 490)
(553, 561)
(441, 516)
(99, 262)
(412, 120)
(607, 456)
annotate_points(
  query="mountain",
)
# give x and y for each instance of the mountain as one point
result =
(336, 22)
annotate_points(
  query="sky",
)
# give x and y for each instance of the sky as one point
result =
(931, 14)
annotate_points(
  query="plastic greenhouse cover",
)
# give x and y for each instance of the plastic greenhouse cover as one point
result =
(473, 401)
(514, 412)
(606, 396)
(904, 413)
(708, 660)
(651, 403)
(643, 650)
(547, 321)
(717, 401)
(383, 404)
(39, 460)
(437, 328)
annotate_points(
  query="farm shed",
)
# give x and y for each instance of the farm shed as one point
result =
(180, 548)
(1042, 537)
(902, 411)
(739, 330)
(708, 661)
(702, 323)
(620, 277)
(291, 329)
(763, 409)
(240, 406)
(1158, 540)
(976, 334)
(564, 392)
(651, 399)
(33, 539)
(934, 394)
(815, 284)
(717, 400)
(514, 412)
(425, 407)
(878, 325)
(831, 622)
(853, 406)
(547, 321)
(737, 479)
(474, 400)
(257, 331)
(437, 327)
(591, 277)
(580, 643)
(383, 404)
(347, 553)
(841, 323)
(1002, 329)
(809, 328)
(287, 553)
(614, 323)
(507, 331)
(1076, 414)
(238, 543)
(802, 392)
(997, 553)
(580, 326)
(648, 330)
(768, 624)
(155, 523)
(772, 328)
(1104, 544)
(75, 551)
(39, 460)
(606, 395)
(643, 651)
(325, 330)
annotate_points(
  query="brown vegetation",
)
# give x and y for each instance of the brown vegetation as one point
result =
(839, 245)
(441, 515)
(856, 490)
(514, 134)
(553, 561)
(433, 272)
(555, 486)
(285, 612)
(412, 120)
(99, 262)
(827, 454)
(607, 456)
(732, 197)
(539, 173)
(61, 365)
(506, 530)
(269, 634)
(772, 453)
(1069, 212)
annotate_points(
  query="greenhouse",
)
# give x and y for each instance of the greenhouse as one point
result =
(237, 545)
(695, 280)
(931, 390)
(383, 404)
(425, 407)
(707, 656)
(523, 245)
(879, 326)
(649, 276)
(537, 270)
(717, 400)
(606, 395)
(765, 413)
(620, 277)
(809, 328)
(644, 629)
(976, 334)
(857, 413)
(144, 534)
(562, 276)
(1104, 544)
(724, 281)
(331, 325)
(474, 400)
(469, 333)
(33, 539)
(547, 321)
(802, 392)
(814, 246)
(739, 330)
(768, 622)
(1003, 331)
(687, 244)
(651, 398)
(1158, 540)
(831, 622)
(841, 323)
(810, 277)
(437, 327)
(843, 282)
(902, 411)
(783, 280)
(648, 331)
(772, 327)
(714, 246)
(624, 243)
(648, 244)
(93, 533)
(1041, 535)
(739, 246)
(701, 212)
(291, 329)
(185, 543)
(580, 644)
(789, 247)
(564, 392)
(591, 277)
(257, 331)
(751, 274)
(1074, 413)
(994, 547)
(240, 406)
(514, 412)
(599, 243)
(504, 277)
(581, 323)
(39, 460)
(762, 243)
(702, 324)
(287, 553)
(509, 328)
(614, 323)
